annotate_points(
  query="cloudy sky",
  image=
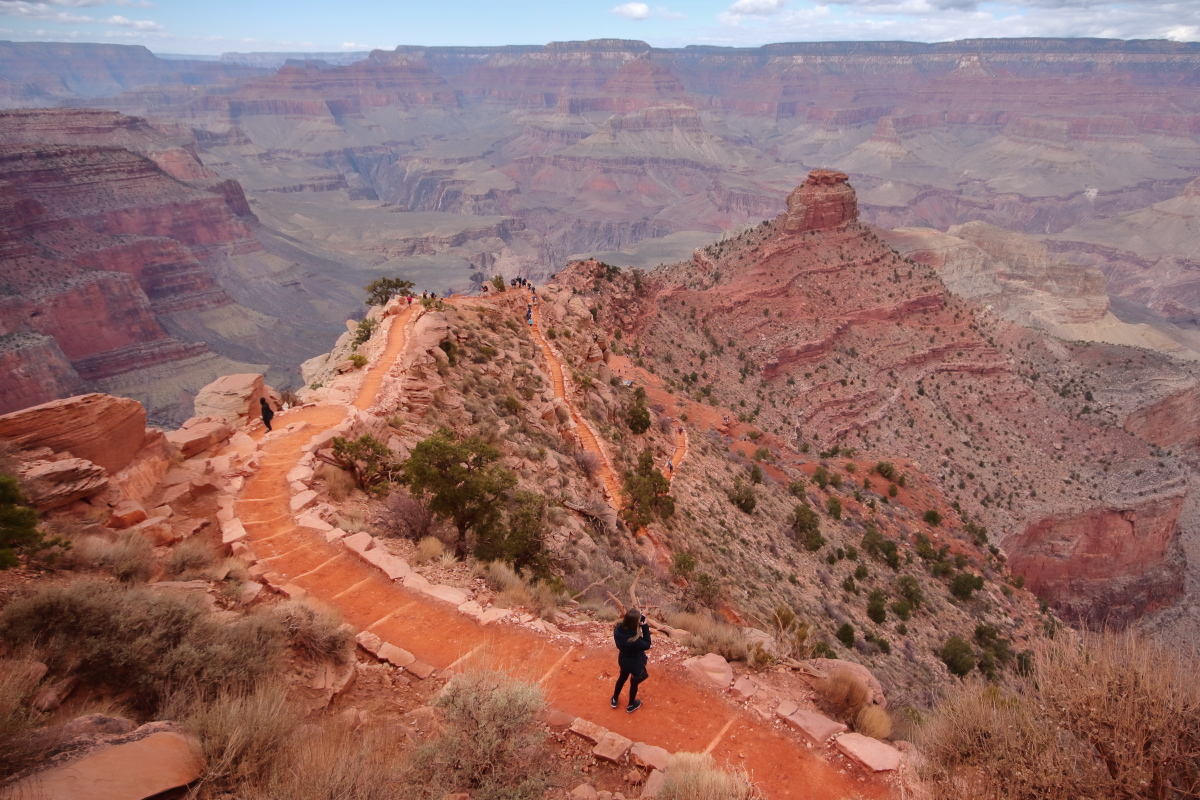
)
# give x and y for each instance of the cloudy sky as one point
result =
(215, 26)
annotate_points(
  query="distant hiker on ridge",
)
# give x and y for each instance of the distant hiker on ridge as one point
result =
(267, 413)
(631, 656)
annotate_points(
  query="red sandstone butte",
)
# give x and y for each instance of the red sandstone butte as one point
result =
(825, 200)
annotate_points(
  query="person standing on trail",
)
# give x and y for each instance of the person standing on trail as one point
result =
(267, 413)
(631, 656)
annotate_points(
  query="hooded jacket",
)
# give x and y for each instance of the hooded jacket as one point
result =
(632, 647)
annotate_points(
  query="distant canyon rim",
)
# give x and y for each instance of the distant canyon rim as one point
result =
(170, 221)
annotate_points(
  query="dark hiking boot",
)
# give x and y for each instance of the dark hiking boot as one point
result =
(632, 707)
(614, 702)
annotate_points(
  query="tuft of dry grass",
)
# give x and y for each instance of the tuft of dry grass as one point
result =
(16, 718)
(695, 776)
(315, 629)
(333, 763)
(428, 549)
(190, 557)
(846, 693)
(242, 731)
(874, 721)
(338, 483)
(1102, 715)
(711, 635)
(491, 746)
(130, 557)
(352, 522)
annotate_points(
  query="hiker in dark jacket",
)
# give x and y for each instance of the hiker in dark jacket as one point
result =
(631, 656)
(267, 413)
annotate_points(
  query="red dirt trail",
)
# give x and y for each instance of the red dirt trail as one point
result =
(678, 713)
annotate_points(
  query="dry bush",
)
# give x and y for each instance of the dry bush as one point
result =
(243, 731)
(190, 556)
(846, 693)
(142, 641)
(409, 517)
(16, 718)
(352, 522)
(546, 599)
(513, 589)
(428, 549)
(1104, 716)
(315, 629)
(711, 635)
(589, 462)
(695, 776)
(130, 558)
(338, 483)
(873, 721)
(492, 745)
(336, 763)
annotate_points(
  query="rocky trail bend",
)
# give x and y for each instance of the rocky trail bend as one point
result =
(678, 715)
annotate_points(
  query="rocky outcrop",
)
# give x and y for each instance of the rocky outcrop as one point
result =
(105, 430)
(50, 484)
(1106, 565)
(825, 200)
(232, 400)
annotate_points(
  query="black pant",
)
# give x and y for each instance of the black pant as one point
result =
(267, 422)
(633, 685)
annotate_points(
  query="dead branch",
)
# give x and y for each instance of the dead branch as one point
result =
(602, 582)
(633, 588)
(620, 605)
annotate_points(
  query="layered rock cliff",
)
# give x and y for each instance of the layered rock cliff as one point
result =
(821, 336)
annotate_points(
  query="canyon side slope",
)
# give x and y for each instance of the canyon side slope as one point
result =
(813, 331)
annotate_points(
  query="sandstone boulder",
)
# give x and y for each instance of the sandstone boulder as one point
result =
(198, 434)
(126, 513)
(711, 668)
(51, 484)
(817, 728)
(132, 766)
(232, 399)
(611, 747)
(105, 430)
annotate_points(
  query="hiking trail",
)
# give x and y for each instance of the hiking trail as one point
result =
(678, 714)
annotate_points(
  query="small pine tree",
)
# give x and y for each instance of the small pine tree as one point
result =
(18, 524)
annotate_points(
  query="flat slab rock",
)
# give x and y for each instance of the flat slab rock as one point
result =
(611, 747)
(131, 770)
(817, 728)
(872, 754)
(588, 730)
(648, 755)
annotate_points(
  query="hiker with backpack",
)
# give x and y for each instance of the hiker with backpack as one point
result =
(631, 656)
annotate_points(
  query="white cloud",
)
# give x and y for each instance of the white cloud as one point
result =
(49, 9)
(136, 24)
(637, 11)
(760, 8)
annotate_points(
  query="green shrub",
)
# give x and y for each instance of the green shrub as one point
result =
(511, 405)
(886, 470)
(821, 477)
(958, 656)
(964, 584)
(796, 488)
(877, 606)
(877, 545)
(893, 490)
(742, 496)
(849, 585)
(18, 524)
(358, 360)
(834, 507)
(902, 609)
(366, 327)
(682, 564)
(142, 641)
(807, 525)
(908, 588)
(756, 474)
(638, 417)
(845, 634)
(647, 494)
(933, 517)
(368, 460)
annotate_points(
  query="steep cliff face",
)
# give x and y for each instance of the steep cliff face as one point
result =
(113, 243)
(821, 336)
